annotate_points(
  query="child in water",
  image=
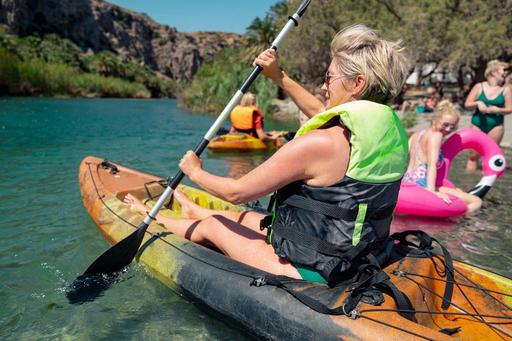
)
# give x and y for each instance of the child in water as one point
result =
(425, 156)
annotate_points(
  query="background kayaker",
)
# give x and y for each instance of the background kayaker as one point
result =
(356, 138)
(491, 100)
(425, 156)
(247, 118)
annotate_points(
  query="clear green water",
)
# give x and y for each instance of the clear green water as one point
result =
(47, 238)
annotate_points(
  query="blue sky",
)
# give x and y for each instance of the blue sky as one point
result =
(201, 15)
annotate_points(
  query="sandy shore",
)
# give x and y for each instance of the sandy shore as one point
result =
(423, 121)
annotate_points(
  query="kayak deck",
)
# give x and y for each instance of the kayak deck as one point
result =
(224, 285)
(236, 143)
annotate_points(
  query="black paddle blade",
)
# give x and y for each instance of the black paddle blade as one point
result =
(119, 255)
(86, 288)
(106, 268)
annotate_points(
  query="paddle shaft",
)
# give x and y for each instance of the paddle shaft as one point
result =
(212, 132)
(122, 253)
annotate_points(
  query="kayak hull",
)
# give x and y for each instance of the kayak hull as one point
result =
(224, 285)
(239, 143)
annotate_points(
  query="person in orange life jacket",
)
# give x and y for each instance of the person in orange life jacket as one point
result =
(491, 100)
(247, 118)
(351, 155)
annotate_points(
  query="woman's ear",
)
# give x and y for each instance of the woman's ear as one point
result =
(359, 84)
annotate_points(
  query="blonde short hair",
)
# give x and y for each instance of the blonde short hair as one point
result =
(248, 99)
(359, 51)
(445, 107)
(493, 66)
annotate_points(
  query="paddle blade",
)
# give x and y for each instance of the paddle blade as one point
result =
(119, 255)
(106, 268)
(86, 288)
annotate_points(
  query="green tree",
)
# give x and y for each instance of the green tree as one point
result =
(218, 79)
(454, 34)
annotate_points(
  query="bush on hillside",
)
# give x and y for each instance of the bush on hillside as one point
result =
(52, 66)
(38, 77)
(218, 80)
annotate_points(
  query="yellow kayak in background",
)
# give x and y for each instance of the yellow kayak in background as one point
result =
(239, 142)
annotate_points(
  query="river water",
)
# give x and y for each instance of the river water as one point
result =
(47, 237)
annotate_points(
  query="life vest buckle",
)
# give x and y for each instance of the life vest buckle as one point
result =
(258, 282)
(372, 297)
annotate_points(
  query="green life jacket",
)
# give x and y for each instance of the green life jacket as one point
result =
(328, 229)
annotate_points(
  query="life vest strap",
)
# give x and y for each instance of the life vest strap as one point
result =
(347, 252)
(335, 211)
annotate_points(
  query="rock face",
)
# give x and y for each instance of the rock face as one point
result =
(97, 25)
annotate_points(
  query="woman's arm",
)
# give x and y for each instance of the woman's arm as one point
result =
(309, 157)
(307, 102)
(412, 158)
(507, 109)
(472, 102)
(262, 135)
(433, 149)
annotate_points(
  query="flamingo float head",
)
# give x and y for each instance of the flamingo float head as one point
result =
(493, 159)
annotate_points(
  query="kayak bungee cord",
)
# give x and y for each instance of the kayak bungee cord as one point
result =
(467, 313)
(355, 314)
(476, 286)
(121, 254)
(158, 235)
(93, 286)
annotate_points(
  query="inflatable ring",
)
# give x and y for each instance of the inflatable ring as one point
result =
(416, 200)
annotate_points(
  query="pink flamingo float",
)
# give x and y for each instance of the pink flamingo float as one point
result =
(416, 200)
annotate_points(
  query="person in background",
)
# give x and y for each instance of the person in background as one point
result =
(349, 157)
(431, 103)
(491, 100)
(400, 104)
(438, 90)
(425, 156)
(247, 118)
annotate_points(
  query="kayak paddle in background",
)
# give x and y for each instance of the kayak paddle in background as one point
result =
(106, 268)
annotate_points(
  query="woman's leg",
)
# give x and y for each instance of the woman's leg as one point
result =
(233, 239)
(497, 133)
(472, 201)
(191, 210)
(472, 163)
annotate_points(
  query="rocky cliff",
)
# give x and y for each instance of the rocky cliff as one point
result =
(96, 25)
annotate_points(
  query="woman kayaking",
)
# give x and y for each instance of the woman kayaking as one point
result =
(426, 156)
(337, 181)
(491, 100)
(247, 118)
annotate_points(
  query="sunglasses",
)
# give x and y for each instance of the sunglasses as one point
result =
(328, 77)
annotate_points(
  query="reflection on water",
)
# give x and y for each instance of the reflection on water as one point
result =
(237, 165)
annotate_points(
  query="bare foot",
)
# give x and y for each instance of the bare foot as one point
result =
(189, 209)
(134, 203)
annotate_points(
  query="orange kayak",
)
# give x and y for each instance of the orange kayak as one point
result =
(480, 306)
(236, 143)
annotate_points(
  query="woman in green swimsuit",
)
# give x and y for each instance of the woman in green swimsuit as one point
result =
(491, 100)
